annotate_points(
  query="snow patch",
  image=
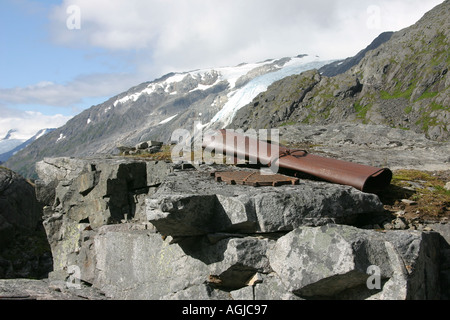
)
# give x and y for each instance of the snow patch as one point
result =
(243, 96)
(41, 133)
(61, 137)
(168, 119)
(237, 98)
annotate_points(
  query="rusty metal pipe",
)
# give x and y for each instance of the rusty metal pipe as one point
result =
(363, 177)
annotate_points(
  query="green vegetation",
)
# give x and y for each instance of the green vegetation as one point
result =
(309, 119)
(435, 107)
(432, 198)
(288, 123)
(164, 155)
(361, 110)
(408, 109)
(398, 91)
(427, 120)
(427, 95)
(425, 190)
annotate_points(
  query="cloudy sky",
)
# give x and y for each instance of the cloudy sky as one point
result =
(60, 57)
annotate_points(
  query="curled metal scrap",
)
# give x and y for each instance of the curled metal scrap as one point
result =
(363, 177)
(255, 179)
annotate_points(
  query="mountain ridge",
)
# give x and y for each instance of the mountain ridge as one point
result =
(21, 144)
(153, 110)
(341, 66)
(403, 83)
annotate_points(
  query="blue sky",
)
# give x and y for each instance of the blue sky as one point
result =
(50, 72)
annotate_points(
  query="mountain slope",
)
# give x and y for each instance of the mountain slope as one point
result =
(153, 110)
(341, 66)
(403, 83)
(10, 141)
(22, 144)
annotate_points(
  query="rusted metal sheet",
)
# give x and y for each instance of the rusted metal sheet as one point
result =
(255, 178)
(363, 177)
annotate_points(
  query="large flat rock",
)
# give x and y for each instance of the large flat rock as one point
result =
(190, 203)
(375, 145)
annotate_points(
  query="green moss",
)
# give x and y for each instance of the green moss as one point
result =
(432, 198)
(408, 109)
(398, 92)
(361, 110)
(288, 123)
(426, 120)
(309, 119)
(427, 95)
(434, 107)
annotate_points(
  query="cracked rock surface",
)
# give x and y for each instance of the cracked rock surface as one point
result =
(179, 234)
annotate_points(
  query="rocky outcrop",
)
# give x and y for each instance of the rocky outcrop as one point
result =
(156, 230)
(31, 289)
(20, 224)
(154, 110)
(335, 261)
(18, 205)
(146, 147)
(77, 194)
(403, 83)
(373, 145)
(193, 204)
(342, 66)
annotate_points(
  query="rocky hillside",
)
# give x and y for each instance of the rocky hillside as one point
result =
(153, 110)
(403, 83)
(134, 228)
(24, 249)
(341, 66)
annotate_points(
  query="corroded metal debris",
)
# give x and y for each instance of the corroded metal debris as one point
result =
(363, 177)
(255, 179)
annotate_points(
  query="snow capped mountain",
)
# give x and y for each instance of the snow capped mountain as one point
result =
(154, 110)
(245, 82)
(10, 146)
(239, 97)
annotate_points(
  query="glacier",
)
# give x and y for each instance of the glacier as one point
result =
(259, 77)
(243, 96)
(9, 147)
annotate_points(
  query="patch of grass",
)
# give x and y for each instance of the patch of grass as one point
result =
(427, 95)
(426, 189)
(411, 175)
(398, 92)
(164, 155)
(309, 119)
(361, 110)
(408, 109)
(426, 121)
(288, 123)
(435, 107)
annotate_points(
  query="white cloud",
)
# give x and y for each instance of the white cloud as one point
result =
(28, 123)
(184, 34)
(161, 36)
(67, 95)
